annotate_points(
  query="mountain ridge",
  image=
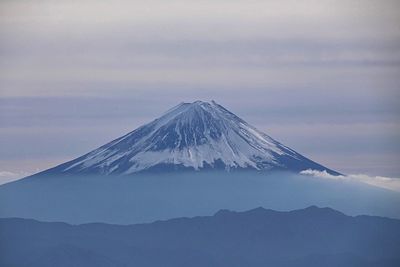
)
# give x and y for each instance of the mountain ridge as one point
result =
(310, 210)
(259, 237)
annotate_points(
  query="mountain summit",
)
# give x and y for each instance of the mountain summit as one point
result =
(190, 136)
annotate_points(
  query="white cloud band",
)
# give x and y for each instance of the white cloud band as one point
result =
(378, 181)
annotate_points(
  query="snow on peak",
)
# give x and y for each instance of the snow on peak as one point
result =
(193, 135)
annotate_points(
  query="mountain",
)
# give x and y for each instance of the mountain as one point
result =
(190, 136)
(259, 237)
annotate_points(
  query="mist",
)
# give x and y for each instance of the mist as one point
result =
(149, 197)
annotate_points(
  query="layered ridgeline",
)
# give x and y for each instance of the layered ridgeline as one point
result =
(310, 237)
(190, 136)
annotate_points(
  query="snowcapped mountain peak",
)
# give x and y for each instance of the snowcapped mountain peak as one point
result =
(190, 136)
(193, 109)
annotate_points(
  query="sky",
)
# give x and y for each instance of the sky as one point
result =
(320, 76)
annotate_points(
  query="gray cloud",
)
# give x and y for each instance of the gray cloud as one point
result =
(321, 76)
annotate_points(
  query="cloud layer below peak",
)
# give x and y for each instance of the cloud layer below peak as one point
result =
(378, 181)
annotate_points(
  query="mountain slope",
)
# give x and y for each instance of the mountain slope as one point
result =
(259, 237)
(190, 136)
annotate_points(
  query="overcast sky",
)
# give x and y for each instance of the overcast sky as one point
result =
(322, 77)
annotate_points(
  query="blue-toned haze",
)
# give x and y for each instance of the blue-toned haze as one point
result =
(319, 76)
